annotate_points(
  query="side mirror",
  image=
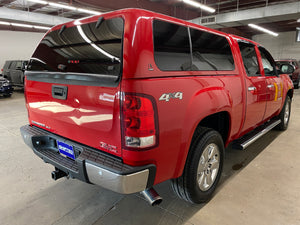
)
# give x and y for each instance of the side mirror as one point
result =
(286, 68)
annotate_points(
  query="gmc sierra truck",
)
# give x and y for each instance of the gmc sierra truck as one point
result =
(131, 98)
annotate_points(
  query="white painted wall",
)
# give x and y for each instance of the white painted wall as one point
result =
(282, 47)
(15, 45)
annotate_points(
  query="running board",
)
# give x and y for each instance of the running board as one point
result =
(251, 137)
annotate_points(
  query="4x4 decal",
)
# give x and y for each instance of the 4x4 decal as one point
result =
(167, 96)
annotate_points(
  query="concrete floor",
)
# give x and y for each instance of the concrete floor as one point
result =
(259, 186)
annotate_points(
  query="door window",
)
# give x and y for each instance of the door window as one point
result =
(18, 65)
(268, 62)
(249, 59)
(13, 65)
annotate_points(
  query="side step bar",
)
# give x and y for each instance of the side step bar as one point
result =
(248, 139)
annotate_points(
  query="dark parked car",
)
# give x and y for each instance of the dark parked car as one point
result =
(13, 70)
(5, 87)
(295, 77)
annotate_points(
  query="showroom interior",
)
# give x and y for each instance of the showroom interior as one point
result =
(258, 185)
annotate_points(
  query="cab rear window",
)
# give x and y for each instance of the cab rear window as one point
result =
(84, 48)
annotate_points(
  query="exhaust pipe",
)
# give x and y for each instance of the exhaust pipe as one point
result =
(151, 196)
(58, 174)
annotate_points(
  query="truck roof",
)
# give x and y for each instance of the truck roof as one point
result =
(142, 12)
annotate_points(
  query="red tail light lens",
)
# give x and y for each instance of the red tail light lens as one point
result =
(139, 122)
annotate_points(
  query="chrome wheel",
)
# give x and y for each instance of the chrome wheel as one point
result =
(208, 167)
(286, 114)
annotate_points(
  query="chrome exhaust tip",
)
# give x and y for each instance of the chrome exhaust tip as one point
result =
(151, 196)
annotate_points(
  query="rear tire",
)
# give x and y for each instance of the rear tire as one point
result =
(284, 115)
(203, 168)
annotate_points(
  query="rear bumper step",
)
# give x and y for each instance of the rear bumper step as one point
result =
(250, 138)
(90, 165)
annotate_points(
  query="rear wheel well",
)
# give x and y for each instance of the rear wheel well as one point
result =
(218, 122)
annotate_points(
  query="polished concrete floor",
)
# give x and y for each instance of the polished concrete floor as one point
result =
(259, 186)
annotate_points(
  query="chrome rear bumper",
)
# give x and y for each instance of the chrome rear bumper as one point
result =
(90, 165)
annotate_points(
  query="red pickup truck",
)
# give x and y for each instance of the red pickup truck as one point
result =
(131, 98)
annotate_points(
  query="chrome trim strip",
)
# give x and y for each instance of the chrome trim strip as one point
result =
(124, 184)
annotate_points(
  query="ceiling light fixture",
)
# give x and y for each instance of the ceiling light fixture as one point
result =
(263, 29)
(199, 5)
(4, 23)
(24, 25)
(63, 6)
(39, 2)
(88, 11)
(21, 25)
(41, 27)
(57, 5)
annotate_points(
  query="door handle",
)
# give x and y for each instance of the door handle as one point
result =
(270, 86)
(251, 88)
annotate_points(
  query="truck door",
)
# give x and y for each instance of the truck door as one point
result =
(16, 72)
(274, 83)
(255, 84)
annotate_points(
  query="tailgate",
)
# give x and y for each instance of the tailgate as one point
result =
(72, 83)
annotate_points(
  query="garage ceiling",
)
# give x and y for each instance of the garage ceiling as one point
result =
(30, 12)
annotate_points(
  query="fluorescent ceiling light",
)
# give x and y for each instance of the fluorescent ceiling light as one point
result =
(24, 25)
(4, 23)
(41, 27)
(199, 5)
(61, 6)
(21, 25)
(88, 11)
(39, 1)
(263, 29)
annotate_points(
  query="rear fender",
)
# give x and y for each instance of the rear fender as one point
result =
(204, 103)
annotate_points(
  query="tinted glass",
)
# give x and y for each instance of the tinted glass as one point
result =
(171, 46)
(19, 65)
(249, 59)
(7, 64)
(210, 51)
(268, 62)
(13, 65)
(81, 49)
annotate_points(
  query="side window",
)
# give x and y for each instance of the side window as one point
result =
(249, 59)
(19, 65)
(210, 51)
(268, 62)
(13, 65)
(171, 46)
(7, 64)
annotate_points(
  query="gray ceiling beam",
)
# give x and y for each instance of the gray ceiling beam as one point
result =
(31, 17)
(272, 13)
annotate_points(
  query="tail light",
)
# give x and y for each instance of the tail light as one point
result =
(139, 122)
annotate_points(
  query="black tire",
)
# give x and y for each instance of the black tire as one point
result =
(187, 187)
(284, 115)
(7, 95)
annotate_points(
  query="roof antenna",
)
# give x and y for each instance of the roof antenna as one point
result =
(62, 29)
(100, 20)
